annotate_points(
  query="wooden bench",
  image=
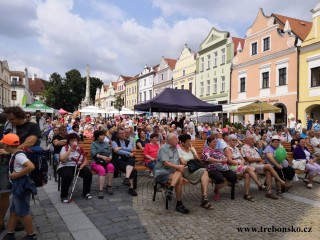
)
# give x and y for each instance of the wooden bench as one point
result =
(298, 171)
(286, 146)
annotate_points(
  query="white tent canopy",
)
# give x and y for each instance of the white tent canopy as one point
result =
(124, 111)
(92, 111)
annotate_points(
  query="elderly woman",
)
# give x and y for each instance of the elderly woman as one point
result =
(101, 161)
(237, 164)
(72, 159)
(88, 133)
(284, 171)
(216, 164)
(301, 154)
(142, 140)
(150, 152)
(186, 153)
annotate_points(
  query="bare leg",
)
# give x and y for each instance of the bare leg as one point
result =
(4, 205)
(27, 223)
(101, 182)
(13, 219)
(253, 175)
(269, 182)
(274, 174)
(175, 178)
(204, 183)
(110, 179)
(178, 189)
(129, 170)
(247, 181)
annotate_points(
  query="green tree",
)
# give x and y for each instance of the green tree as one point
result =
(118, 103)
(68, 92)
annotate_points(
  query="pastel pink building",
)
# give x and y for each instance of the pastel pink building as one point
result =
(266, 68)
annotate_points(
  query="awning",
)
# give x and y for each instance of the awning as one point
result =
(256, 108)
(233, 107)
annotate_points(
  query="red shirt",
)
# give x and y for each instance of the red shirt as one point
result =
(151, 150)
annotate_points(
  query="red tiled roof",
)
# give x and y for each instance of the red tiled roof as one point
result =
(37, 85)
(114, 84)
(171, 62)
(300, 27)
(133, 78)
(125, 78)
(236, 41)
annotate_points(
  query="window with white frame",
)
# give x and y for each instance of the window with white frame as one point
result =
(254, 48)
(140, 97)
(144, 82)
(150, 94)
(223, 56)
(145, 96)
(183, 72)
(242, 84)
(208, 87)
(215, 85)
(282, 76)
(190, 86)
(162, 76)
(209, 61)
(223, 84)
(201, 88)
(265, 80)
(202, 63)
(315, 77)
(182, 86)
(266, 44)
(215, 60)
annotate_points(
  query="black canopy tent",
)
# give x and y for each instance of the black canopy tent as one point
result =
(177, 100)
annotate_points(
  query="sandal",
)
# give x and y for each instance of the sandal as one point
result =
(270, 195)
(207, 206)
(248, 197)
(88, 196)
(205, 199)
(262, 187)
(109, 190)
(100, 194)
(182, 209)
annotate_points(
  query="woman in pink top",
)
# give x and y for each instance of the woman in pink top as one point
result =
(150, 152)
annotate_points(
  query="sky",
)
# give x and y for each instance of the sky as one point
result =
(120, 37)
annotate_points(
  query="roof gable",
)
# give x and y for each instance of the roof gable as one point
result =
(37, 85)
(213, 37)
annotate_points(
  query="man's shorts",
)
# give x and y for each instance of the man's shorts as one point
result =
(20, 205)
(258, 168)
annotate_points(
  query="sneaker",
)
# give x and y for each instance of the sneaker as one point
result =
(9, 237)
(126, 182)
(151, 175)
(100, 195)
(132, 192)
(309, 185)
(30, 237)
(64, 200)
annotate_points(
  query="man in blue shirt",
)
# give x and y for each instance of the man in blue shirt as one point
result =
(123, 159)
(304, 133)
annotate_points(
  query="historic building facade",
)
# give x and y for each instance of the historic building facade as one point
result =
(185, 70)
(309, 72)
(145, 83)
(163, 77)
(266, 69)
(131, 92)
(214, 66)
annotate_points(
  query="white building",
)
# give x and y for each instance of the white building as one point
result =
(5, 92)
(163, 78)
(105, 96)
(145, 83)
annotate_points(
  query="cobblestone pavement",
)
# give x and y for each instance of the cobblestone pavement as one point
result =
(228, 215)
(113, 215)
(46, 221)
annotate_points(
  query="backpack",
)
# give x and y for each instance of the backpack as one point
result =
(38, 157)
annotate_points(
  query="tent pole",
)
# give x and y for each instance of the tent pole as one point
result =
(222, 118)
(260, 113)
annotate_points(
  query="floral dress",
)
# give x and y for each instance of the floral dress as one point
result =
(236, 155)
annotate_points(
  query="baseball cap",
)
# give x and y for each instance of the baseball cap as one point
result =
(11, 139)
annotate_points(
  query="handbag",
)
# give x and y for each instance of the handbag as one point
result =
(221, 167)
(299, 164)
(194, 165)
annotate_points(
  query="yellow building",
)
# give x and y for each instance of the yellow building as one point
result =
(131, 97)
(184, 72)
(309, 72)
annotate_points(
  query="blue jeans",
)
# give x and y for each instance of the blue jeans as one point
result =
(20, 204)
(151, 165)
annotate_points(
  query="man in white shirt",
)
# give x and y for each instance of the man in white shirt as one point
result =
(256, 134)
(315, 142)
(286, 135)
